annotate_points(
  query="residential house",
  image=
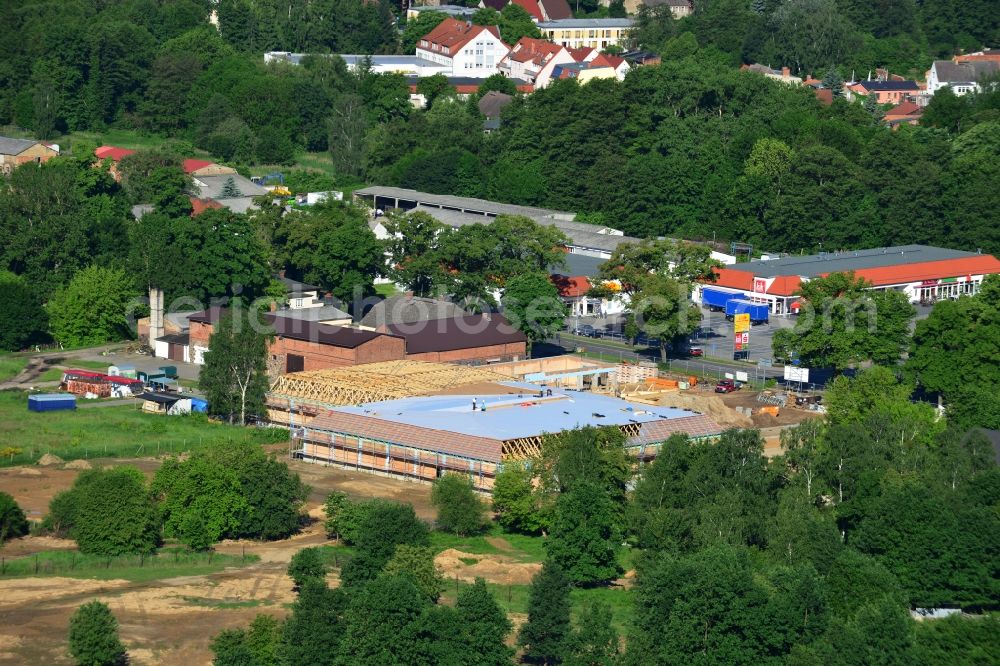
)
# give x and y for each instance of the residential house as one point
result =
(602, 67)
(462, 86)
(886, 92)
(962, 78)
(907, 113)
(679, 8)
(641, 58)
(533, 60)
(574, 290)
(987, 54)
(491, 105)
(115, 154)
(784, 74)
(594, 33)
(466, 49)
(539, 10)
(228, 190)
(15, 152)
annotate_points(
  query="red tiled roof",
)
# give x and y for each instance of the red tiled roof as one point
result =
(555, 10)
(538, 51)
(112, 153)
(582, 53)
(734, 279)
(980, 264)
(451, 35)
(605, 60)
(192, 165)
(530, 6)
(903, 110)
(571, 287)
(428, 439)
(784, 285)
(199, 206)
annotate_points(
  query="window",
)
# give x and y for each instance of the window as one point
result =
(590, 34)
(297, 303)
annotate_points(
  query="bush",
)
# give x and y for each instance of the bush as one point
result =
(514, 501)
(108, 512)
(417, 564)
(13, 524)
(93, 636)
(334, 508)
(306, 564)
(380, 528)
(459, 508)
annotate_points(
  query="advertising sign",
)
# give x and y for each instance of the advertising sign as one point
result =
(741, 322)
(796, 374)
(760, 285)
(742, 376)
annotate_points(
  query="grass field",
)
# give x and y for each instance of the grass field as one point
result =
(111, 432)
(165, 563)
(11, 365)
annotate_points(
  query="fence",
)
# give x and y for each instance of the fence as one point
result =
(62, 562)
(28, 455)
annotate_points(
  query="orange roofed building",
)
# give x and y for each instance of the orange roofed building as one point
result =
(924, 274)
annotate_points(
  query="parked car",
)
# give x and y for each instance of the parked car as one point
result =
(696, 351)
(726, 386)
(586, 331)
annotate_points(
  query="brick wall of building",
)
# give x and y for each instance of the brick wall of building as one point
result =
(320, 357)
(507, 352)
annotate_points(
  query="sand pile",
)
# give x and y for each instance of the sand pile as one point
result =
(495, 569)
(78, 464)
(49, 459)
(709, 405)
(27, 471)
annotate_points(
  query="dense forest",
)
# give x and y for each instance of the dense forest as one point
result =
(814, 557)
(705, 151)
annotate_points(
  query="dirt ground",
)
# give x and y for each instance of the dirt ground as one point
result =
(173, 620)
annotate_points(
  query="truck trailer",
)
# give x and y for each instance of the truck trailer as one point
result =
(758, 311)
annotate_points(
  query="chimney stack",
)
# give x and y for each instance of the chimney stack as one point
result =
(155, 315)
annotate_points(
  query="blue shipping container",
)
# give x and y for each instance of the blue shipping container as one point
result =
(758, 311)
(199, 405)
(51, 402)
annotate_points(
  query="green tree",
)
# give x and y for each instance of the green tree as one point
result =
(256, 645)
(459, 509)
(26, 320)
(306, 564)
(832, 81)
(13, 524)
(486, 623)
(515, 23)
(585, 534)
(412, 246)
(93, 308)
(594, 641)
(230, 189)
(380, 622)
(109, 512)
(663, 309)
(234, 377)
(379, 529)
(531, 303)
(842, 323)
(951, 355)
(333, 508)
(417, 27)
(545, 635)
(348, 123)
(313, 632)
(93, 636)
(432, 87)
(416, 563)
(233, 492)
(514, 501)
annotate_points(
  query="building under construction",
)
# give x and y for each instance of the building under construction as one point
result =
(421, 420)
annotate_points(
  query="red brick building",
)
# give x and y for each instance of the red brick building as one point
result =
(300, 345)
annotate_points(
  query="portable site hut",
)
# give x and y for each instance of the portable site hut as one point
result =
(51, 402)
(156, 402)
(163, 384)
(122, 371)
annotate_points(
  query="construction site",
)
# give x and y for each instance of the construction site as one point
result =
(421, 420)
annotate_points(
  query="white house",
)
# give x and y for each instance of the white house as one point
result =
(533, 60)
(466, 49)
(962, 77)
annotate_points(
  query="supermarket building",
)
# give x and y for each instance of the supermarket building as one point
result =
(923, 273)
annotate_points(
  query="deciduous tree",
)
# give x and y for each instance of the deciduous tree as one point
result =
(545, 635)
(234, 377)
(93, 636)
(459, 508)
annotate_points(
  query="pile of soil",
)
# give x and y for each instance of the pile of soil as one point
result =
(27, 471)
(494, 568)
(49, 459)
(709, 405)
(78, 464)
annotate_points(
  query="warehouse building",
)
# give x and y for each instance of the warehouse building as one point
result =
(923, 273)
